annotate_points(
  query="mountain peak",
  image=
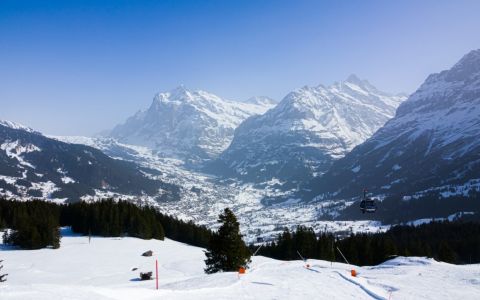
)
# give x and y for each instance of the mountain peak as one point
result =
(363, 83)
(15, 125)
(319, 124)
(354, 79)
(184, 123)
(472, 57)
(180, 92)
(179, 89)
(467, 66)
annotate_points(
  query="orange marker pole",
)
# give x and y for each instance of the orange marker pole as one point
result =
(156, 269)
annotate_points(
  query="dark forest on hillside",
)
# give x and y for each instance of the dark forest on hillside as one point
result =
(453, 242)
(35, 224)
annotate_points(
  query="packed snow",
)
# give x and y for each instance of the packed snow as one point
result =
(104, 268)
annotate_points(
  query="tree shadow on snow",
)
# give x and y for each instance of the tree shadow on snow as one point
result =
(312, 270)
(262, 283)
(135, 279)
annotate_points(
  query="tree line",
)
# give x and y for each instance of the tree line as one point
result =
(35, 224)
(452, 242)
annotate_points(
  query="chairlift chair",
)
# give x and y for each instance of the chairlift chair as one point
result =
(367, 205)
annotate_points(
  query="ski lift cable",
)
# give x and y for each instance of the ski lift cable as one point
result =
(254, 253)
(343, 256)
(301, 256)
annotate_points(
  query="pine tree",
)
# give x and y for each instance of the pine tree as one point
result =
(226, 250)
(445, 252)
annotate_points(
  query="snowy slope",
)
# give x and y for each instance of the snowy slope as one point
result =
(188, 124)
(432, 144)
(103, 270)
(309, 129)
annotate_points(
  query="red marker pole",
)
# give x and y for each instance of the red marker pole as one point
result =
(156, 269)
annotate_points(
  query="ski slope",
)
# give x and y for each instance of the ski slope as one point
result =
(102, 269)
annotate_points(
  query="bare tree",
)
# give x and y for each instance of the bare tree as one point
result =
(3, 277)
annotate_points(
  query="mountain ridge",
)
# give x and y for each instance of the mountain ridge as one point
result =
(35, 166)
(189, 124)
(315, 124)
(433, 141)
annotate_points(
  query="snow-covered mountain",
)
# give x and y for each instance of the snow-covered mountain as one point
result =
(432, 144)
(188, 124)
(35, 166)
(309, 129)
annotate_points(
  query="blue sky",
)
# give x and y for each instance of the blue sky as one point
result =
(78, 67)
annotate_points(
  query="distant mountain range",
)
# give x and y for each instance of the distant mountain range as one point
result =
(320, 146)
(35, 166)
(191, 125)
(307, 131)
(431, 145)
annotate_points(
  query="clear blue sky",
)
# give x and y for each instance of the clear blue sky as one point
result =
(77, 67)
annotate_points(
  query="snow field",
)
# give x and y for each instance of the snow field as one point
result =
(103, 270)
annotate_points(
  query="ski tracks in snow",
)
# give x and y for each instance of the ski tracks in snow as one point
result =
(369, 291)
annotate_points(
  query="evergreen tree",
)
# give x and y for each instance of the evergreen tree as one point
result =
(445, 252)
(285, 245)
(2, 223)
(226, 250)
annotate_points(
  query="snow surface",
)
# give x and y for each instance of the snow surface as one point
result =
(103, 269)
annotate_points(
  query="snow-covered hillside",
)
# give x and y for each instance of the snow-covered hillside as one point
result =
(35, 166)
(309, 129)
(188, 124)
(432, 144)
(104, 269)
